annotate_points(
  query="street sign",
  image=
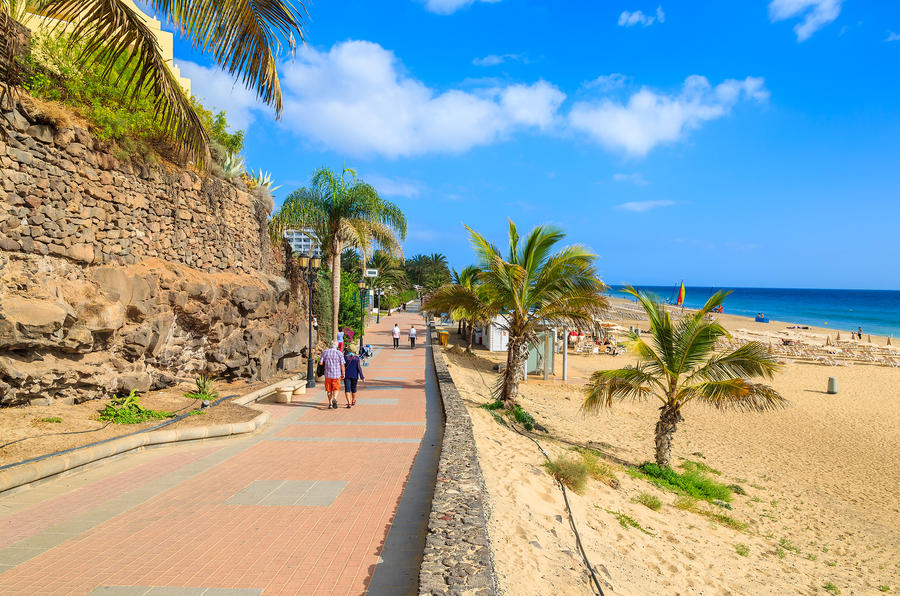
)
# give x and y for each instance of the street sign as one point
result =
(371, 273)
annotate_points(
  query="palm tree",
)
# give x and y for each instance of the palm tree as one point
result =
(343, 212)
(533, 287)
(464, 300)
(680, 365)
(390, 271)
(244, 37)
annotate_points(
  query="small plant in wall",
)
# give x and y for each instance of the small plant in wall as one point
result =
(126, 409)
(233, 165)
(204, 390)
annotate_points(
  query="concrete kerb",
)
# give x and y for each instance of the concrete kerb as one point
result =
(458, 558)
(27, 473)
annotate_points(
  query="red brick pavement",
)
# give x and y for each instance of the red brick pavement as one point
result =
(187, 536)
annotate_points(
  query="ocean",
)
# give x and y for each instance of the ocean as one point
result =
(876, 311)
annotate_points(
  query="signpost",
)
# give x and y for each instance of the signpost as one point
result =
(371, 273)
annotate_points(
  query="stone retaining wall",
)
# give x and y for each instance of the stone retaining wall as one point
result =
(64, 194)
(458, 558)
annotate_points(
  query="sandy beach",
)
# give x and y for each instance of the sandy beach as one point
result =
(821, 481)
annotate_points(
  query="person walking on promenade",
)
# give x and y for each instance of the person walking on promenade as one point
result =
(412, 337)
(334, 372)
(340, 340)
(395, 334)
(352, 374)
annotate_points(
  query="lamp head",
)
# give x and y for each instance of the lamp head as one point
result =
(304, 261)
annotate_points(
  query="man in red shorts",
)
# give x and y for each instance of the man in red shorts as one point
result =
(334, 371)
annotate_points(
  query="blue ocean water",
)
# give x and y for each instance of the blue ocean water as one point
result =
(876, 311)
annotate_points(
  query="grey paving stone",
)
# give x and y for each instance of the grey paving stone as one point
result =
(342, 440)
(13, 555)
(323, 493)
(120, 590)
(254, 492)
(382, 388)
(364, 423)
(377, 401)
(175, 591)
(291, 492)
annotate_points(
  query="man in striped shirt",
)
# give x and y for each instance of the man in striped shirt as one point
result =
(334, 371)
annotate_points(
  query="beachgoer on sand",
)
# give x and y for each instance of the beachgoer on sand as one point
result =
(352, 374)
(334, 372)
(412, 337)
(395, 334)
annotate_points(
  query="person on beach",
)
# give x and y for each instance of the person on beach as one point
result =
(352, 374)
(859, 331)
(395, 334)
(334, 371)
(340, 340)
(412, 337)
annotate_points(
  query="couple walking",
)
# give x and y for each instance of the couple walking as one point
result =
(339, 367)
(395, 334)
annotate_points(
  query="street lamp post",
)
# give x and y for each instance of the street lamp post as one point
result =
(309, 267)
(362, 312)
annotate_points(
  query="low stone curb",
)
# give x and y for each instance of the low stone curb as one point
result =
(26, 473)
(458, 557)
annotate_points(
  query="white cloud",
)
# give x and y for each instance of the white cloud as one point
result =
(630, 19)
(395, 187)
(893, 36)
(636, 179)
(450, 6)
(649, 119)
(356, 99)
(607, 82)
(815, 13)
(219, 91)
(641, 206)
(497, 59)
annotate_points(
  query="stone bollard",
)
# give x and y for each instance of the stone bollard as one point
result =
(832, 385)
(283, 394)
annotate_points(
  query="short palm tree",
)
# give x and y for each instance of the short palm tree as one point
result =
(680, 364)
(534, 287)
(464, 300)
(342, 212)
(244, 37)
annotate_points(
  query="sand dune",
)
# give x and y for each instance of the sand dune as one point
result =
(822, 479)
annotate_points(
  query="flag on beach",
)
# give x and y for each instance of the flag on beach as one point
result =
(680, 300)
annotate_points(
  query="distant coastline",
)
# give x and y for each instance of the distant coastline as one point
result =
(876, 311)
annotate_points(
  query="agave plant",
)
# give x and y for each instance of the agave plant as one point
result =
(233, 165)
(263, 179)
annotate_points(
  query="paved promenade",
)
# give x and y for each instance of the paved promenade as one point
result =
(314, 503)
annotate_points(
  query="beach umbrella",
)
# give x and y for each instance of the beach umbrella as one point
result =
(770, 347)
(828, 340)
(838, 338)
(869, 338)
(889, 341)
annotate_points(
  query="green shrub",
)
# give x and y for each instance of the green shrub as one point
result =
(523, 417)
(127, 410)
(831, 588)
(884, 588)
(689, 465)
(204, 390)
(691, 482)
(742, 549)
(689, 503)
(50, 420)
(627, 522)
(788, 545)
(736, 488)
(648, 500)
(571, 473)
(597, 468)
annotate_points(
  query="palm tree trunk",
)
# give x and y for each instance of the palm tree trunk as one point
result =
(335, 287)
(471, 330)
(512, 376)
(669, 417)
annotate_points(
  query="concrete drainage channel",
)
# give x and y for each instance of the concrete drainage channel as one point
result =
(18, 475)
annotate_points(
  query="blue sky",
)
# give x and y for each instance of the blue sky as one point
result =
(748, 143)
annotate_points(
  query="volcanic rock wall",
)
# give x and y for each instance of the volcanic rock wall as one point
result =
(116, 277)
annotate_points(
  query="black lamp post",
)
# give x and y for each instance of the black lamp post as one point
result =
(309, 268)
(378, 293)
(362, 312)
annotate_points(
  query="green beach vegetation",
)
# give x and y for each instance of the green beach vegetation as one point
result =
(679, 364)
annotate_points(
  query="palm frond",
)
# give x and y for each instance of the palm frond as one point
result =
(734, 394)
(749, 360)
(245, 37)
(606, 386)
(109, 29)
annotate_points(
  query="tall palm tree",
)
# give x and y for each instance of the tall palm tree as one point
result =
(390, 271)
(680, 365)
(533, 287)
(464, 300)
(343, 212)
(415, 266)
(245, 37)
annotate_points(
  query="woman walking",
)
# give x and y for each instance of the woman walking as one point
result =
(352, 373)
(395, 334)
(412, 337)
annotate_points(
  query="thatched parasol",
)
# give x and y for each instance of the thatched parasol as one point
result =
(828, 340)
(838, 338)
